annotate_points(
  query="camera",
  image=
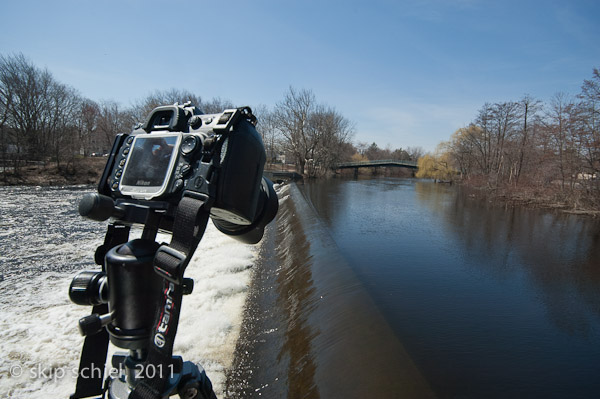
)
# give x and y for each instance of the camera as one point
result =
(171, 173)
(180, 151)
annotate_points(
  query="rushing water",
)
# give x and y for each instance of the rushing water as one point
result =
(488, 301)
(44, 242)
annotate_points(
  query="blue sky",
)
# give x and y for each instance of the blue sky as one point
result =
(407, 73)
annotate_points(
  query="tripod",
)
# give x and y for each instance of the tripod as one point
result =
(138, 310)
(214, 169)
(130, 266)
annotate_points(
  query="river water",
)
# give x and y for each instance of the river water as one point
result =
(488, 301)
(44, 243)
(361, 288)
(391, 288)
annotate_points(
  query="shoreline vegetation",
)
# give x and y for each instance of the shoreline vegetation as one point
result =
(87, 171)
(80, 171)
(529, 152)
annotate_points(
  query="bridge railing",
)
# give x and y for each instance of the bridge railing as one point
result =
(378, 162)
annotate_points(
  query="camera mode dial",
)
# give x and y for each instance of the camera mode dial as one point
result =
(195, 122)
(189, 145)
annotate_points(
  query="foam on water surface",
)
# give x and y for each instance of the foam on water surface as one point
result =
(44, 242)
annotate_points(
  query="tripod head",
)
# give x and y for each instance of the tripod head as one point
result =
(171, 174)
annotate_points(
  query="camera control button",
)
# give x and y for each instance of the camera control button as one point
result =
(122, 163)
(185, 169)
(178, 185)
(126, 151)
(224, 118)
(189, 145)
(130, 139)
(195, 122)
(118, 173)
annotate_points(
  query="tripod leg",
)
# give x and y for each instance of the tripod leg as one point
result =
(195, 384)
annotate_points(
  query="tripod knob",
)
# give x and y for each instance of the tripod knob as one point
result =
(89, 288)
(99, 207)
(94, 323)
(188, 286)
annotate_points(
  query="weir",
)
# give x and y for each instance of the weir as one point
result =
(311, 330)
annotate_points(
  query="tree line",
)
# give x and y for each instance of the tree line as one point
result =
(317, 137)
(45, 121)
(551, 147)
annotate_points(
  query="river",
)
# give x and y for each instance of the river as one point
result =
(361, 288)
(489, 301)
(406, 288)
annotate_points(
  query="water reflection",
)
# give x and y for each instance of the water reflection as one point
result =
(329, 338)
(490, 301)
(559, 253)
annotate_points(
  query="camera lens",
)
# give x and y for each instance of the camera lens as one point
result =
(89, 288)
(249, 233)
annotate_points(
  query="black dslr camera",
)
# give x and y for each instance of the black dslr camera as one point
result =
(179, 151)
(172, 173)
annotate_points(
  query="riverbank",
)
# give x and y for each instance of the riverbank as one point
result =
(89, 170)
(80, 171)
(551, 197)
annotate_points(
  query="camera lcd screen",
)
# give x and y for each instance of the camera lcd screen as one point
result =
(150, 165)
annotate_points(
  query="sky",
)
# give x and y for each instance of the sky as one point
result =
(405, 73)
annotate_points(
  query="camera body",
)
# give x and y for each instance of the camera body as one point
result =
(219, 157)
(170, 173)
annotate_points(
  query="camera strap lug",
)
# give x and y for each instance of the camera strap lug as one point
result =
(190, 222)
(171, 263)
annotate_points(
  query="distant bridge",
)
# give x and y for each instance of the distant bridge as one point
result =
(378, 163)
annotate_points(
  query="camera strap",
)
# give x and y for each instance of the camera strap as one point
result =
(170, 262)
(90, 378)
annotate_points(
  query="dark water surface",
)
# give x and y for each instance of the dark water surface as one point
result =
(487, 301)
(310, 329)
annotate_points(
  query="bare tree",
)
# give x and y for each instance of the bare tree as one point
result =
(311, 132)
(589, 134)
(215, 105)
(558, 130)
(528, 109)
(330, 131)
(87, 125)
(483, 143)
(505, 119)
(37, 111)
(25, 84)
(6, 99)
(60, 119)
(463, 147)
(292, 116)
(142, 108)
(111, 121)
(374, 152)
(414, 153)
(268, 129)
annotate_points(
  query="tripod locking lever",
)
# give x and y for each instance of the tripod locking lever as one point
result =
(99, 207)
(93, 324)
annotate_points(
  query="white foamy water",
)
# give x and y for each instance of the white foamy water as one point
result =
(44, 243)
